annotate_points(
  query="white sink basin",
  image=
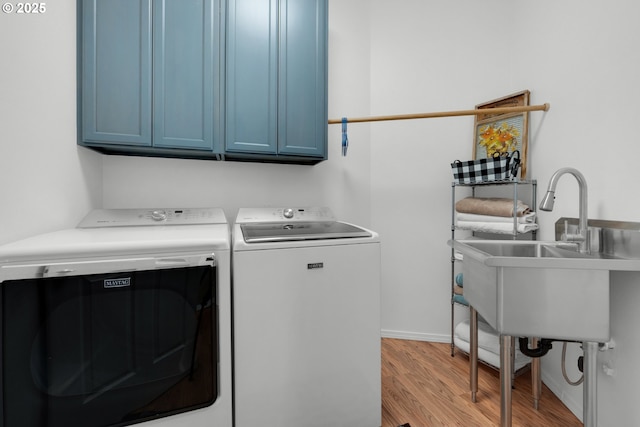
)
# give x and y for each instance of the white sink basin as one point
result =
(539, 289)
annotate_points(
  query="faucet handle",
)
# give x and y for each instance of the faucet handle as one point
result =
(571, 237)
(565, 234)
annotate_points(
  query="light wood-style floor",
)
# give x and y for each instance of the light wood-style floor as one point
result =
(424, 386)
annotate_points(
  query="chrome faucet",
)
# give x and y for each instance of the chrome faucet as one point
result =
(547, 205)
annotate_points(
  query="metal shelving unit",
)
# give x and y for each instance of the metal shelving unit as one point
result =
(473, 342)
(514, 235)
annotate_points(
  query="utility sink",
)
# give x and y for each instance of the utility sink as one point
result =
(539, 289)
(549, 290)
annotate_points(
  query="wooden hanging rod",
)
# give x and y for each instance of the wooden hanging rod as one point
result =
(500, 110)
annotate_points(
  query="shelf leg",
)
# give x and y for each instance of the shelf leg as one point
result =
(452, 321)
(473, 353)
(453, 268)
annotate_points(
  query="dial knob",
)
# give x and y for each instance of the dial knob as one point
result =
(158, 215)
(288, 213)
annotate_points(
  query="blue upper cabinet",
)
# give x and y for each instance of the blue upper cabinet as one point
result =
(168, 78)
(277, 77)
(252, 99)
(302, 78)
(116, 72)
(184, 74)
(151, 75)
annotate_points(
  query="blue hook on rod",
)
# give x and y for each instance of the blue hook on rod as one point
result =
(345, 138)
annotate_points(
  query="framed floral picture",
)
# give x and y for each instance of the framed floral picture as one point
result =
(502, 134)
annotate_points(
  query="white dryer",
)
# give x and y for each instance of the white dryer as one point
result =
(306, 315)
(125, 319)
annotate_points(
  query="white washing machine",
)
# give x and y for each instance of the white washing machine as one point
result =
(306, 315)
(125, 319)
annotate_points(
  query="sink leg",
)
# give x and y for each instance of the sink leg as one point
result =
(505, 380)
(513, 362)
(473, 353)
(536, 383)
(589, 392)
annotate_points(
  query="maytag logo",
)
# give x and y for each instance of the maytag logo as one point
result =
(117, 283)
(315, 265)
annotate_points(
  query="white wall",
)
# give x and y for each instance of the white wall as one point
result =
(424, 59)
(343, 183)
(46, 182)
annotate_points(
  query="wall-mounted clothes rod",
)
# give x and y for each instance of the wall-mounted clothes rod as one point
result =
(499, 110)
(475, 112)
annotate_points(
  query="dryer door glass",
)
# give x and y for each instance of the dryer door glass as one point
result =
(108, 349)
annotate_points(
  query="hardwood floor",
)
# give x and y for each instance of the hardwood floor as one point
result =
(424, 386)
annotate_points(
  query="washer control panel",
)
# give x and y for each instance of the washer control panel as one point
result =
(146, 217)
(287, 214)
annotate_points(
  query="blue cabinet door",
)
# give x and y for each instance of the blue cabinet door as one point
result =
(302, 78)
(251, 76)
(185, 73)
(277, 77)
(116, 72)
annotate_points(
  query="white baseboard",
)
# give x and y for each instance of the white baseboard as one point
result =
(568, 401)
(415, 336)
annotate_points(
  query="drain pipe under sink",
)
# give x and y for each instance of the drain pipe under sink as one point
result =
(589, 391)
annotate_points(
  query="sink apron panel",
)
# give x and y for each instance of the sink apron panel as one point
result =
(568, 304)
(481, 288)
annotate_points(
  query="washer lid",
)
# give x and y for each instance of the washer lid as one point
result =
(285, 232)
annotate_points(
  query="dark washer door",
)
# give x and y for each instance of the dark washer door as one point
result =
(107, 350)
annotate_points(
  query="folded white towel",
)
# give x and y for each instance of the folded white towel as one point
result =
(529, 218)
(495, 227)
(488, 344)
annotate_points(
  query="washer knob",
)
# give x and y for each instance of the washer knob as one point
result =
(158, 215)
(288, 213)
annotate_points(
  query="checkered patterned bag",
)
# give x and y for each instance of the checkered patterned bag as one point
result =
(486, 170)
